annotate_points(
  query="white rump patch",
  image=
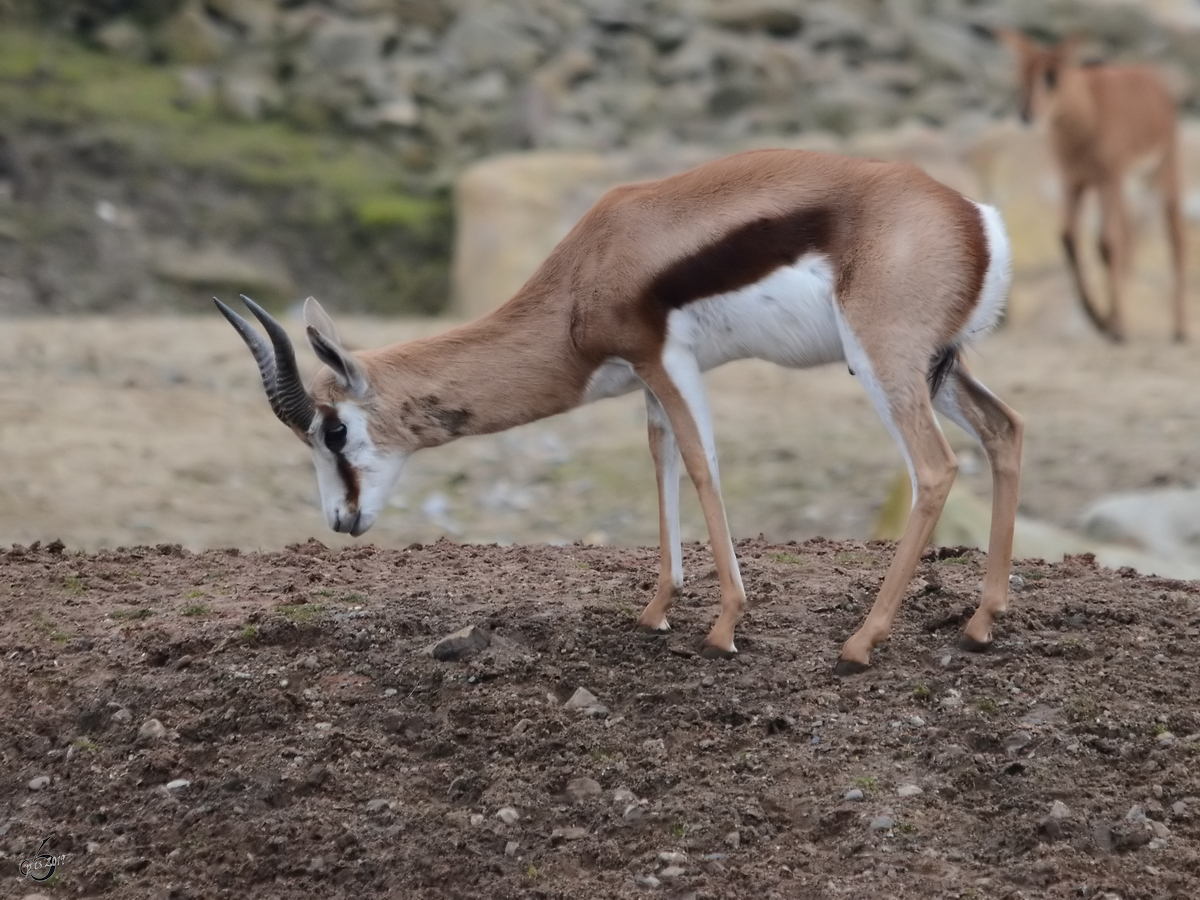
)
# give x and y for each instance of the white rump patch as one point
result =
(996, 280)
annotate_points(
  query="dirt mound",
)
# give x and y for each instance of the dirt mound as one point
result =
(228, 725)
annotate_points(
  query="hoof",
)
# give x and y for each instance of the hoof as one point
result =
(847, 667)
(650, 632)
(968, 643)
(708, 651)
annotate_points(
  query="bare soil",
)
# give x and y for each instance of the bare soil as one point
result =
(308, 747)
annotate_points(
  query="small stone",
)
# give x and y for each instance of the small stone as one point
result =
(580, 789)
(122, 715)
(1059, 810)
(476, 819)
(1179, 808)
(883, 823)
(633, 812)
(916, 722)
(623, 795)
(378, 805)
(952, 700)
(647, 881)
(1165, 738)
(389, 692)
(708, 681)
(854, 795)
(152, 730)
(568, 833)
(316, 865)
(178, 784)
(672, 872)
(909, 790)
(945, 660)
(732, 840)
(586, 702)
(507, 815)
(1016, 583)
(1051, 828)
(460, 644)
(1160, 830)
(672, 857)
(1017, 741)
(511, 848)
(1137, 813)
(39, 783)
(309, 662)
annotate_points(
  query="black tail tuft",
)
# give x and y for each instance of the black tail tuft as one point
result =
(940, 367)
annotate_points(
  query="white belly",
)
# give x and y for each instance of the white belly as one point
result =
(788, 318)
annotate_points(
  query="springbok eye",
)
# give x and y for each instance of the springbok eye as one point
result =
(335, 437)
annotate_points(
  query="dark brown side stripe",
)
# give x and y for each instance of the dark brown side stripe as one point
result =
(742, 257)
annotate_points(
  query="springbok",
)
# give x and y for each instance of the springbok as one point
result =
(794, 257)
(1107, 122)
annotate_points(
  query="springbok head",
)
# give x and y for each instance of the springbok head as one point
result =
(355, 471)
(1038, 69)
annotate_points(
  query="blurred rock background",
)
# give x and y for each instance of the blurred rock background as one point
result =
(408, 157)
(155, 151)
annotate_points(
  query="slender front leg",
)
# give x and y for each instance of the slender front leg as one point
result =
(665, 452)
(679, 387)
(1000, 430)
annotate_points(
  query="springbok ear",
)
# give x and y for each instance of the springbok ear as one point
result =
(323, 337)
(316, 317)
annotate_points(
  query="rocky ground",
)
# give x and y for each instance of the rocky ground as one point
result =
(268, 725)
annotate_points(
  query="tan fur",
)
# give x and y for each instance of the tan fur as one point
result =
(1105, 121)
(909, 258)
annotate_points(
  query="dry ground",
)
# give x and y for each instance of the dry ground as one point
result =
(303, 746)
(143, 431)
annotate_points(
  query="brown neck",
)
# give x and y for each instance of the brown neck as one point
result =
(513, 366)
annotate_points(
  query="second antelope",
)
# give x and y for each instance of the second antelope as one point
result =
(798, 258)
(1106, 123)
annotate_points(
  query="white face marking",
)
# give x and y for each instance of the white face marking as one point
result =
(787, 318)
(354, 507)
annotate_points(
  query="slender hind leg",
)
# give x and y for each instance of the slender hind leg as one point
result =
(1000, 431)
(1169, 184)
(1116, 250)
(665, 453)
(677, 384)
(902, 400)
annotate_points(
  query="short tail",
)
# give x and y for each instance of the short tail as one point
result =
(941, 366)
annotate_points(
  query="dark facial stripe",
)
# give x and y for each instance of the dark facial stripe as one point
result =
(329, 419)
(349, 479)
(744, 256)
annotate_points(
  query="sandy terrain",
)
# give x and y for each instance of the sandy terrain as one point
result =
(135, 431)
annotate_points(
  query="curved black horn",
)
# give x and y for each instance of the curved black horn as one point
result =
(261, 352)
(289, 389)
(281, 378)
